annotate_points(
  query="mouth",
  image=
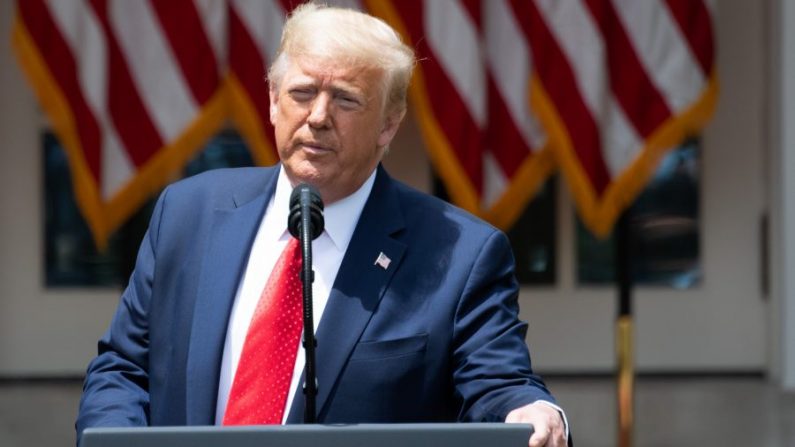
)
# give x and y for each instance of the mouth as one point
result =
(314, 147)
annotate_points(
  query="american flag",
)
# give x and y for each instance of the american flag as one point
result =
(509, 90)
(506, 91)
(131, 88)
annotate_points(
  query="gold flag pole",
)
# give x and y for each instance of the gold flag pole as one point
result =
(624, 332)
(626, 380)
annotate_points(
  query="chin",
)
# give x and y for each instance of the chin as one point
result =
(314, 177)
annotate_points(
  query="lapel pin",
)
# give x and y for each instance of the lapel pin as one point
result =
(382, 261)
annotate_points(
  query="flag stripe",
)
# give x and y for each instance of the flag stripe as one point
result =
(663, 51)
(559, 81)
(263, 20)
(455, 120)
(495, 180)
(156, 74)
(693, 18)
(58, 57)
(473, 9)
(244, 54)
(510, 63)
(117, 168)
(629, 82)
(80, 28)
(212, 14)
(619, 138)
(453, 40)
(512, 135)
(448, 107)
(502, 137)
(289, 5)
(247, 64)
(182, 26)
(130, 117)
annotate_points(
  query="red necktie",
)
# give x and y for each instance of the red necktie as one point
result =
(262, 381)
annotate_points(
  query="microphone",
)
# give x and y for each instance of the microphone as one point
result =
(305, 196)
(305, 223)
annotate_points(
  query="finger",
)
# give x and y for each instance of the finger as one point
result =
(540, 435)
(558, 434)
(557, 438)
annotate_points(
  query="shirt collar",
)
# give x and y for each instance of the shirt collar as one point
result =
(340, 217)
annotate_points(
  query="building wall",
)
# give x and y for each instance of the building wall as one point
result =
(54, 332)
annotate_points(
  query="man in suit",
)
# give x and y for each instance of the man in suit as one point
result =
(417, 300)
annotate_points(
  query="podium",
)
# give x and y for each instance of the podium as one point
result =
(355, 435)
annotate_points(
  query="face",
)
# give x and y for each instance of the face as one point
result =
(330, 125)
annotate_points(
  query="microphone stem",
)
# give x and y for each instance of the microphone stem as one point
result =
(309, 342)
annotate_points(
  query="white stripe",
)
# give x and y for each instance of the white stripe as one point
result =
(663, 51)
(494, 181)
(620, 143)
(214, 21)
(117, 168)
(584, 49)
(510, 63)
(155, 71)
(82, 31)
(264, 20)
(455, 43)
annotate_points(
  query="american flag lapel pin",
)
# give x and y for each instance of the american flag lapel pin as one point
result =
(382, 261)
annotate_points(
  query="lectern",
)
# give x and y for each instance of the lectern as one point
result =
(358, 435)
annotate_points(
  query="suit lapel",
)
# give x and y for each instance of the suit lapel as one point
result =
(228, 246)
(357, 290)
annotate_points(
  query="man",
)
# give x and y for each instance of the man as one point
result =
(417, 299)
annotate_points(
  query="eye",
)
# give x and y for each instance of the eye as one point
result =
(348, 102)
(301, 94)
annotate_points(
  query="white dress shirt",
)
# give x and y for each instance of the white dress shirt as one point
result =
(327, 253)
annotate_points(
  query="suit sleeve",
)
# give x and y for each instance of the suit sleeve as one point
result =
(492, 369)
(116, 387)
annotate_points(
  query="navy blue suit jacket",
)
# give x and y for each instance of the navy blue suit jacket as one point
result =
(433, 337)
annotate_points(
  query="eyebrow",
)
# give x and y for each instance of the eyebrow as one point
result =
(347, 89)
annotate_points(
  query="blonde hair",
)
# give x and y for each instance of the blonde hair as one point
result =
(349, 36)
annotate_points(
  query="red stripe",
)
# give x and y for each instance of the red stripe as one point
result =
(183, 27)
(559, 82)
(246, 62)
(130, 118)
(474, 8)
(289, 5)
(643, 104)
(449, 109)
(695, 22)
(58, 57)
(502, 135)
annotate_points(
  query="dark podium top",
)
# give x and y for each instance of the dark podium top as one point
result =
(357, 435)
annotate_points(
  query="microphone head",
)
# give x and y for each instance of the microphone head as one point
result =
(308, 195)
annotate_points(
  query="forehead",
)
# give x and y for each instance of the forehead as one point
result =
(333, 72)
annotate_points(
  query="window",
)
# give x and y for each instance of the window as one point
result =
(664, 224)
(532, 236)
(664, 229)
(71, 259)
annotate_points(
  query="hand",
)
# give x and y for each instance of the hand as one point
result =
(548, 427)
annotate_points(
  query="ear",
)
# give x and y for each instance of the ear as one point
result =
(390, 127)
(273, 95)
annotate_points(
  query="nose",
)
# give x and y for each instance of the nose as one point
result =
(319, 113)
